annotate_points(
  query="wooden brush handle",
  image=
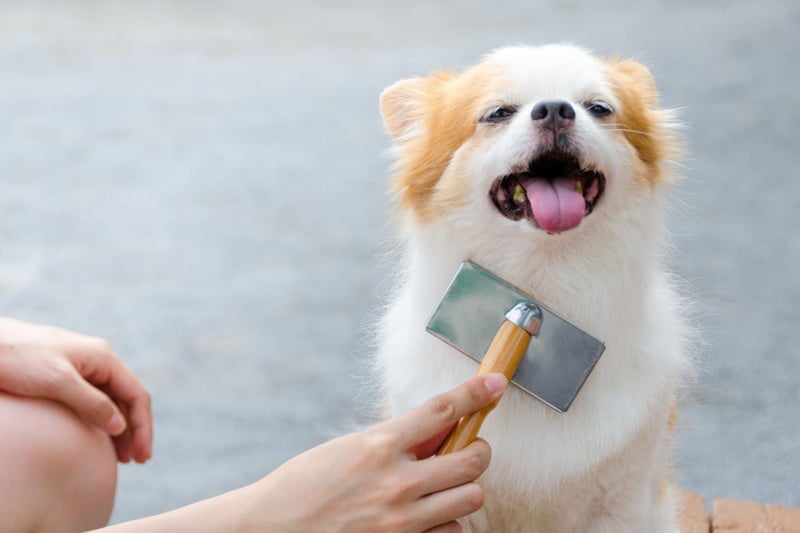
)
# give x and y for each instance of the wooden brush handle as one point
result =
(504, 355)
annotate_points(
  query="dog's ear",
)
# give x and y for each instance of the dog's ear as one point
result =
(406, 105)
(650, 130)
(638, 78)
(402, 106)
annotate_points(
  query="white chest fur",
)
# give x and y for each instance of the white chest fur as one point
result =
(537, 452)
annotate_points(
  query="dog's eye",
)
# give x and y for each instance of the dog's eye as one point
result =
(498, 114)
(598, 109)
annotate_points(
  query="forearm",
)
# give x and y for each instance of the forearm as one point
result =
(226, 512)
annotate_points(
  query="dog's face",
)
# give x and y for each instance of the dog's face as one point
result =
(540, 140)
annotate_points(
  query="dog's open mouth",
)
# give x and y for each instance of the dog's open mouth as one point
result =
(554, 192)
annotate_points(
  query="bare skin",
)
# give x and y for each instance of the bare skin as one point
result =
(58, 473)
(69, 409)
(380, 479)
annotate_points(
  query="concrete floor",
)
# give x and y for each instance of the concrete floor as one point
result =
(190, 179)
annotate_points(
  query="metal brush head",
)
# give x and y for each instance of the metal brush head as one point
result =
(559, 358)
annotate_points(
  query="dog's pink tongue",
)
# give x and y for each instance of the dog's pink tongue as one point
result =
(556, 205)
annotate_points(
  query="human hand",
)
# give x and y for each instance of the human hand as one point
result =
(383, 478)
(82, 372)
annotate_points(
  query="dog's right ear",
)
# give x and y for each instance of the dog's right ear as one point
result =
(402, 107)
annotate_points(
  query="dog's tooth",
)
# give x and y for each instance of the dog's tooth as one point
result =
(519, 194)
(579, 186)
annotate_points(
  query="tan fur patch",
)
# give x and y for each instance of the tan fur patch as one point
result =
(640, 121)
(430, 118)
(672, 419)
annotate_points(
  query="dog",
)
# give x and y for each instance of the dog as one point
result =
(547, 165)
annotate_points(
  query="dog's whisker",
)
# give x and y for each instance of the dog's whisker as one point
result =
(629, 130)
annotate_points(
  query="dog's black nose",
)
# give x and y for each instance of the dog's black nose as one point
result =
(555, 117)
(557, 112)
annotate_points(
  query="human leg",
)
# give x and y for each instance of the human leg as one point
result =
(58, 474)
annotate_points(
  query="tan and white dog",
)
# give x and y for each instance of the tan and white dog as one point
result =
(545, 165)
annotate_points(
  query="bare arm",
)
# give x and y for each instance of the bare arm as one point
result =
(380, 479)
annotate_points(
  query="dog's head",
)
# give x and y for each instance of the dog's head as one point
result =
(542, 140)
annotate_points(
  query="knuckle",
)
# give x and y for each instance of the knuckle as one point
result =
(139, 397)
(474, 497)
(147, 400)
(485, 451)
(443, 407)
(389, 440)
(382, 443)
(53, 380)
(476, 392)
(102, 345)
(474, 463)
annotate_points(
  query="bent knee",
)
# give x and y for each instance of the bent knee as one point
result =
(61, 472)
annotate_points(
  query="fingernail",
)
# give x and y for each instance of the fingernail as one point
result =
(494, 382)
(116, 425)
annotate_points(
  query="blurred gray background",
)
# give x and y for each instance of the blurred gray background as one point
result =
(191, 179)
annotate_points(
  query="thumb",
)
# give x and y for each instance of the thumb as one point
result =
(92, 404)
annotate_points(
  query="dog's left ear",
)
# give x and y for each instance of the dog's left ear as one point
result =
(635, 76)
(402, 106)
(649, 129)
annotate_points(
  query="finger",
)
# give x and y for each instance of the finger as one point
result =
(135, 443)
(450, 527)
(98, 364)
(122, 442)
(438, 413)
(141, 426)
(443, 507)
(454, 469)
(90, 403)
(122, 446)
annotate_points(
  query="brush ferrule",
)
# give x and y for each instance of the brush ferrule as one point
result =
(526, 315)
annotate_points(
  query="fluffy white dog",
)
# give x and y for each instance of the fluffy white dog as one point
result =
(546, 165)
